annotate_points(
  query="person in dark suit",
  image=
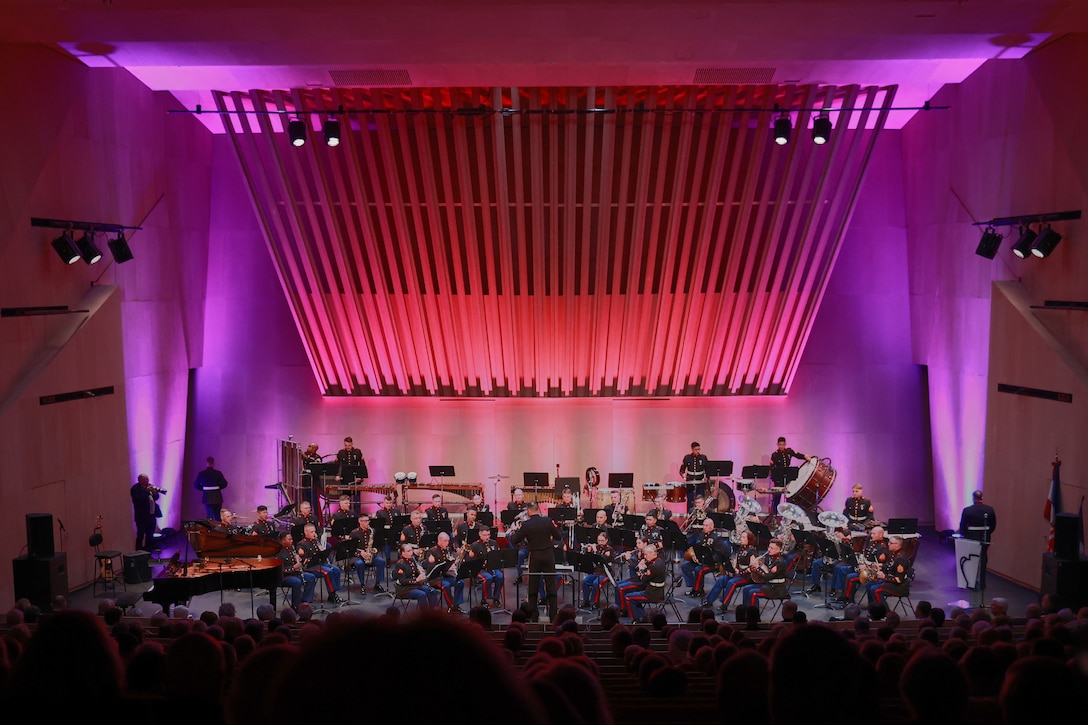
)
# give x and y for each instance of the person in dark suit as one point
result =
(978, 522)
(539, 534)
(145, 509)
(211, 482)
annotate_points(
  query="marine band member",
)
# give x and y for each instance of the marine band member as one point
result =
(492, 580)
(694, 570)
(693, 469)
(725, 586)
(469, 524)
(615, 502)
(367, 555)
(773, 568)
(305, 516)
(649, 584)
(226, 524)
(539, 534)
(780, 461)
(591, 583)
(308, 549)
(301, 582)
(858, 509)
(263, 526)
(413, 532)
(437, 512)
(650, 532)
(411, 580)
(437, 554)
(600, 520)
(479, 505)
(659, 510)
(893, 578)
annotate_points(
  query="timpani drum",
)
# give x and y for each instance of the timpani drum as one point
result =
(650, 489)
(676, 492)
(814, 480)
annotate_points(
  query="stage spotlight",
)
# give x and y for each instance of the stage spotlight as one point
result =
(1023, 245)
(296, 130)
(782, 128)
(88, 249)
(332, 132)
(1045, 242)
(66, 248)
(119, 249)
(821, 129)
(987, 246)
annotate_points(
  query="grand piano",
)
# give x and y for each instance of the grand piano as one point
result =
(224, 561)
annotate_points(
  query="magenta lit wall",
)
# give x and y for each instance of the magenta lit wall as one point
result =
(858, 398)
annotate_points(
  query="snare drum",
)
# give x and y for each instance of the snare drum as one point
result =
(814, 480)
(677, 492)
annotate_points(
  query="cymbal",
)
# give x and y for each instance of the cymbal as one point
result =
(497, 477)
(833, 519)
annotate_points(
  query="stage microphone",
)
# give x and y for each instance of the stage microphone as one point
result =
(61, 524)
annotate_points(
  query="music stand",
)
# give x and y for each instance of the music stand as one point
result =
(354, 473)
(468, 570)
(791, 473)
(297, 532)
(345, 551)
(719, 468)
(534, 480)
(427, 541)
(434, 526)
(507, 517)
(590, 515)
(723, 520)
(671, 535)
(343, 527)
(633, 521)
(505, 559)
(441, 471)
(471, 536)
(762, 532)
(486, 518)
(570, 482)
(755, 471)
(562, 513)
(585, 535)
(621, 480)
(902, 526)
(400, 521)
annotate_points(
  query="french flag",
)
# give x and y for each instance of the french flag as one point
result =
(1053, 502)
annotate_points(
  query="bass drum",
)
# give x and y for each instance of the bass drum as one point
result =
(814, 480)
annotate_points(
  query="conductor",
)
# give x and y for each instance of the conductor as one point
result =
(539, 533)
(978, 522)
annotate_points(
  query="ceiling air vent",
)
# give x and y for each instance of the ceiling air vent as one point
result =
(732, 76)
(370, 77)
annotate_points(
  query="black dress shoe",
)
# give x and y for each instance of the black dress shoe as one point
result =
(378, 588)
(334, 598)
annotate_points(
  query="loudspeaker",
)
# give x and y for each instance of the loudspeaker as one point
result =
(137, 565)
(41, 579)
(39, 536)
(1067, 580)
(1066, 536)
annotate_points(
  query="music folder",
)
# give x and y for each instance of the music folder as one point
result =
(441, 471)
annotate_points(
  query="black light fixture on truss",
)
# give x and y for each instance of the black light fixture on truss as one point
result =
(119, 249)
(1045, 242)
(782, 129)
(1037, 244)
(296, 131)
(1023, 245)
(331, 129)
(88, 249)
(988, 245)
(821, 129)
(65, 247)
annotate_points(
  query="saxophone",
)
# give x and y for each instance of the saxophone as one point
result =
(366, 553)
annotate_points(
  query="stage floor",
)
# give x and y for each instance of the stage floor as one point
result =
(935, 582)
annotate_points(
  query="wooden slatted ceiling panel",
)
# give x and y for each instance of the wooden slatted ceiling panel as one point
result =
(670, 248)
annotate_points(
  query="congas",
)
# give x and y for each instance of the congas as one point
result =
(814, 480)
(650, 490)
(676, 492)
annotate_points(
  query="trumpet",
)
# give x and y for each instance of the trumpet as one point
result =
(156, 489)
